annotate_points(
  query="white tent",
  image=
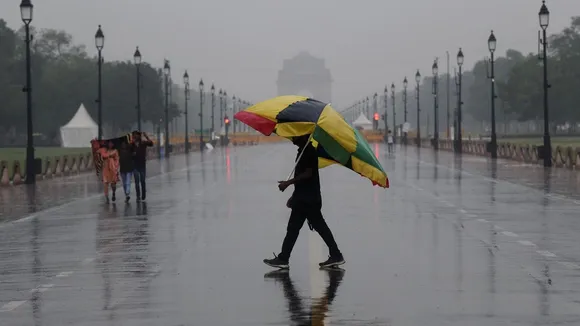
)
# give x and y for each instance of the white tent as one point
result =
(80, 130)
(363, 122)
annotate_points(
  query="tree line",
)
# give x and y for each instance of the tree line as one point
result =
(63, 77)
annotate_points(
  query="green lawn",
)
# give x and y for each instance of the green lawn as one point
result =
(556, 141)
(19, 154)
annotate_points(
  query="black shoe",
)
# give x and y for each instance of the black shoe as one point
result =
(332, 261)
(127, 199)
(138, 198)
(114, 198)
(143, 198)
(276, 262)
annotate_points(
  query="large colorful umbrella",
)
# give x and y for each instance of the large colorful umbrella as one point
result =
(334, 139)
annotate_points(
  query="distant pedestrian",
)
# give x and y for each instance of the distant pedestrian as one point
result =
(140, 161)
(306, 204)
(390, 141)
(110, 168)
(126, 168)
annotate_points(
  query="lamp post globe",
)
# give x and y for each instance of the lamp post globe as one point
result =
(166, 68)
(544, 16)
(186, 79)
(491, 42)
(460, 58)
(26, 9)
(418, 76)
(435, 68)
(137, 56)
(99, 39)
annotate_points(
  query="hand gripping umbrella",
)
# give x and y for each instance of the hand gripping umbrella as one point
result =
(336, 142)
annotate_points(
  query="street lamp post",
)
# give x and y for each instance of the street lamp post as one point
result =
(212, 111)
(100, 43)
(186, 84)
(137, 58)
(394, 114)
(544, 16)
(459, 140)
(375, 122)
(435, 70)
(418, 80)
(239, 109)
(221, 96)
(234, 112)
(166, 71)
(226, 118)
(405, 83)
(201, 115)
(385, 102)
(26, 9)
(491, 43)
(367, 107)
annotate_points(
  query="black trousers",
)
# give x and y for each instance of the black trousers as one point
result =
(300, 213)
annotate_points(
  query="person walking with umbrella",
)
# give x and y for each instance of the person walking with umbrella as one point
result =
(323, 138)
(306, 204)
(110, 168)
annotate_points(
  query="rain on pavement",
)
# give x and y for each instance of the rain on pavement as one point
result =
(450, 243)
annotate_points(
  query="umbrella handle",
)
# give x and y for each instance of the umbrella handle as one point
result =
(299, 157)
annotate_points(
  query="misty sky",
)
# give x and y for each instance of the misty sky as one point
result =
(241, 45)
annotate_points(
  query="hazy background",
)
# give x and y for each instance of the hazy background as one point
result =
(240, 45)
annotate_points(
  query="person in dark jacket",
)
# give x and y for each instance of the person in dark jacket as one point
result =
(126, 168)
(139, 161)
(306, 204)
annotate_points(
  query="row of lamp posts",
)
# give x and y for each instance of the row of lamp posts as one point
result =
(545, 151)
(33, 165)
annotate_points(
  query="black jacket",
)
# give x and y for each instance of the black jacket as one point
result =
(126, 160)
(140, 150)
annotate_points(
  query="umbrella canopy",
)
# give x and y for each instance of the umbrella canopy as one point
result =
(334, 139)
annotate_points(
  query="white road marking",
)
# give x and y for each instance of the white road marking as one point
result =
(88, 261)
(482, 220)
(42, 288)
(472, 215)
(497, 227)
(64, 274)
(461, 210)
(11, 305)
(527, 243)
(569, 264)
(546, 253)
(509, 234)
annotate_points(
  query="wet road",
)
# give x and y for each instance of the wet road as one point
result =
(450, 243)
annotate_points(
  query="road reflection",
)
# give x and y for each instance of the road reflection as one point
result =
(320, 306)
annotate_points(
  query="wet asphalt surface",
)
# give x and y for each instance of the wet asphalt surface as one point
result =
(450, 243)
